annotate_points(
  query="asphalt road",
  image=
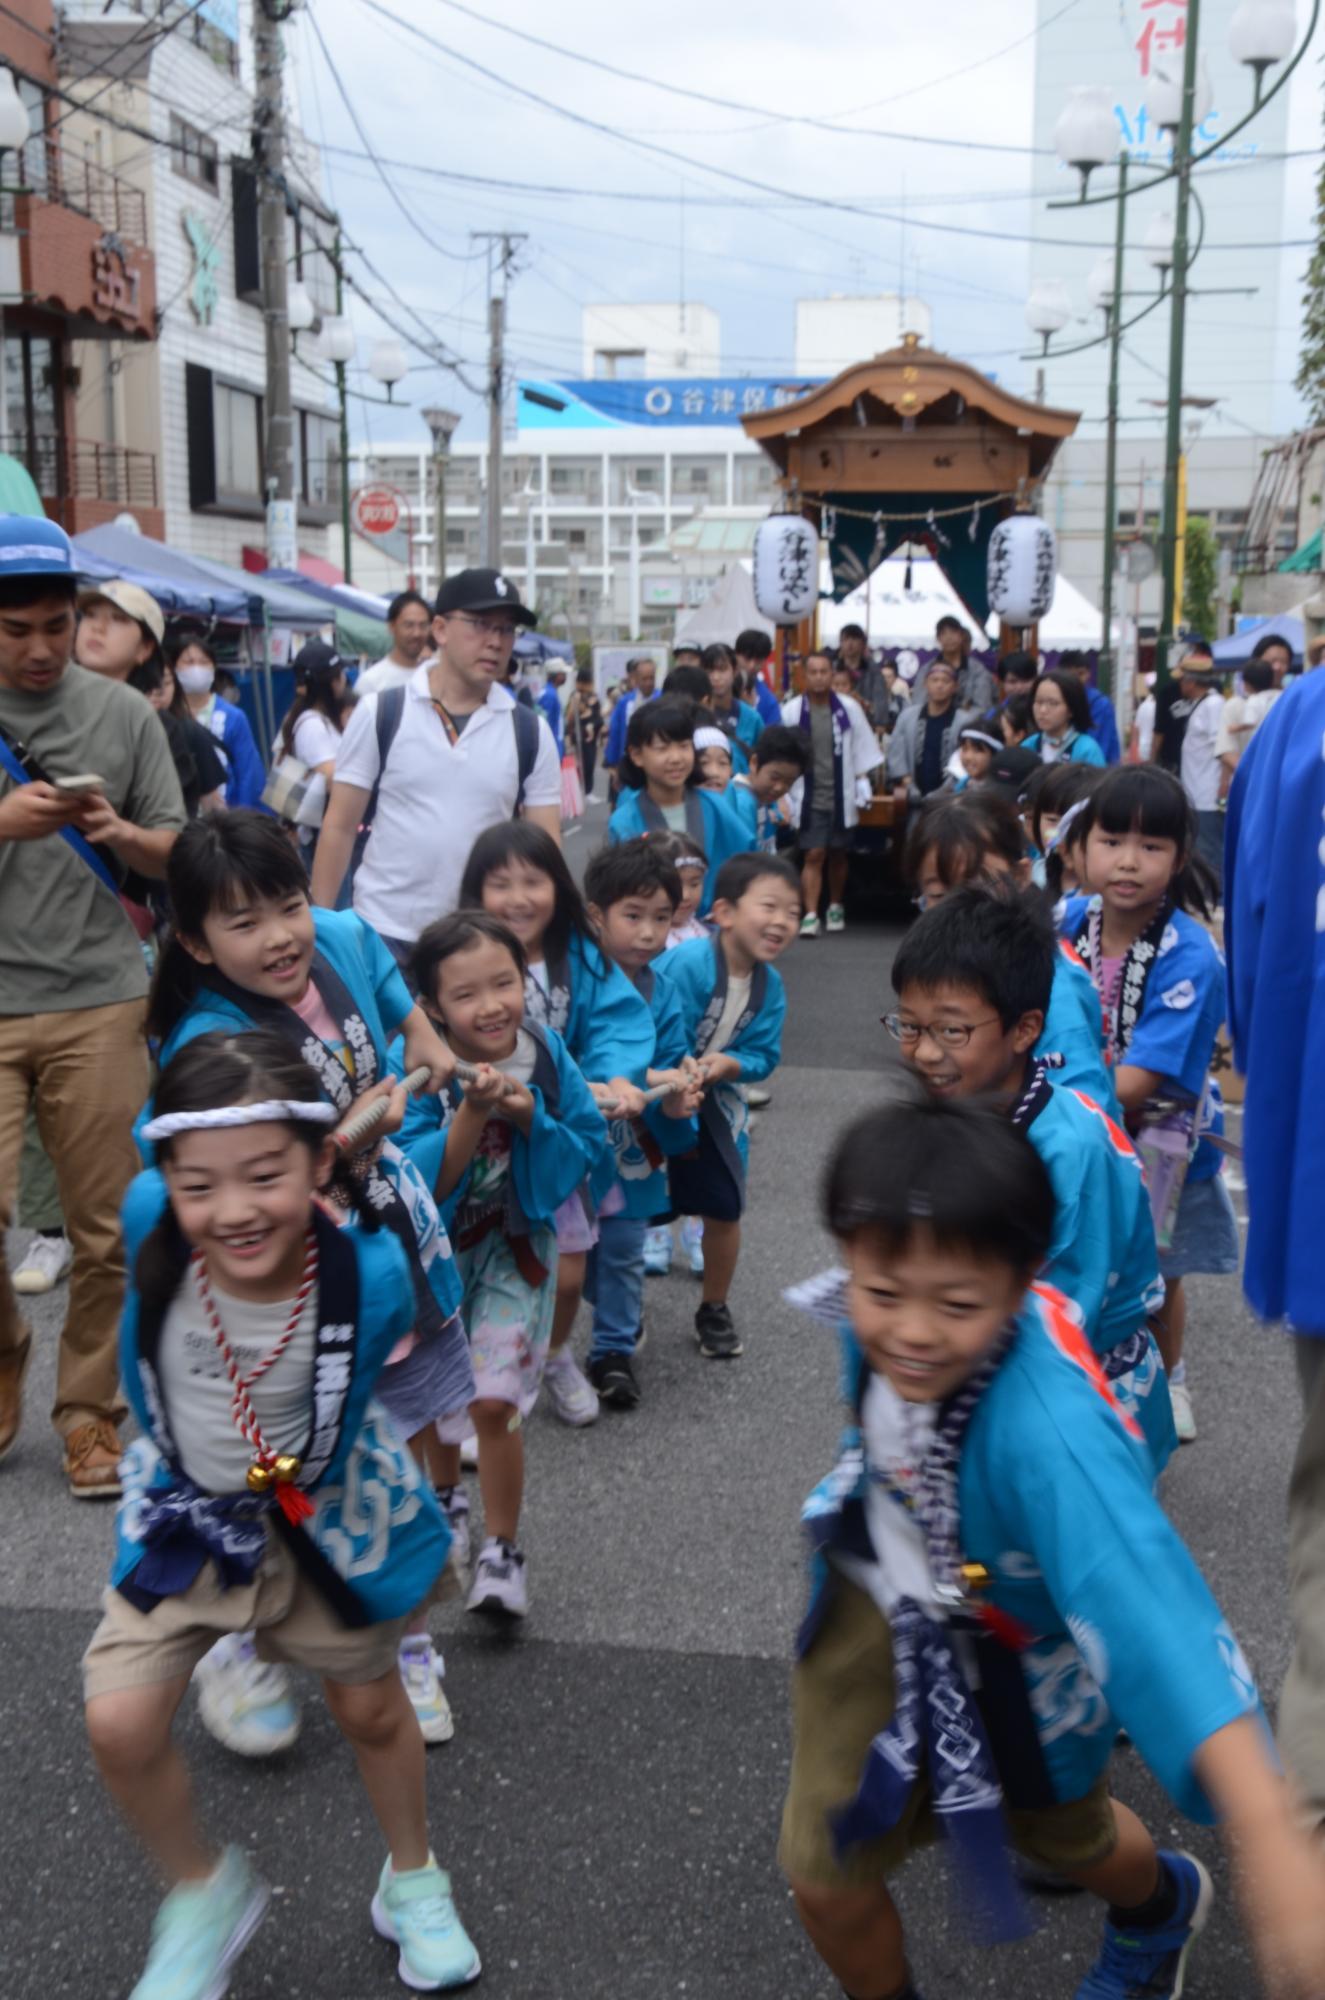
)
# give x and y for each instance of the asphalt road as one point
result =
(609, 1806)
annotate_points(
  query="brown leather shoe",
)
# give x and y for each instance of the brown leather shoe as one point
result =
(92, 1455)
(13, 1367)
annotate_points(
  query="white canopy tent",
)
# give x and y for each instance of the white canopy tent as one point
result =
(1072, 620)
(891, 614)
(728, 609)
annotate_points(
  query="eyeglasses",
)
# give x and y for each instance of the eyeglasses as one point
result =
(486, 625)
(952, 1035)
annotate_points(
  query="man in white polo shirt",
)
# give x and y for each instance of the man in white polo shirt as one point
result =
(409, 622)
(453, 767)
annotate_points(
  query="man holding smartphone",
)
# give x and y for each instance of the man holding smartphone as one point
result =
(73, 983)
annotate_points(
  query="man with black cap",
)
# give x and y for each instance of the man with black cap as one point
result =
(432, 764)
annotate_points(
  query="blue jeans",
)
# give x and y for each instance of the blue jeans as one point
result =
(614, 1284)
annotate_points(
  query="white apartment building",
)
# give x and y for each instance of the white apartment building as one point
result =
(194, 396)
(603, 479)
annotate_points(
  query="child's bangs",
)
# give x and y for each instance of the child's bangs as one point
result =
(1141, 799)
(227, 862)
(662, 729)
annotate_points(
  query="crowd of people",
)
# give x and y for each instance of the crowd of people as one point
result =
(337, 1095)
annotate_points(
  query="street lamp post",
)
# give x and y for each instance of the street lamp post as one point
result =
(442, 423)
(1114, 320)
(336, 341)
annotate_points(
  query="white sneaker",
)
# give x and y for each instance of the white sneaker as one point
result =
(421, 1670)
(244, 1702)
(46, 1260)
(837, 918)
(499, 1589)
(571, 1394)
(809, 925)
(1184, 1417)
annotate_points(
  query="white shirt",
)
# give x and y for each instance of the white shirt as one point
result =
(860, 754)
(1145, 728)
(316, 738)
(897, 1434)
(197, 1390)
(436, 799)
(1200, 764)
(385, 673)
(735, 1004)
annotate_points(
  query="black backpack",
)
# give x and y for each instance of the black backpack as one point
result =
(390, 710)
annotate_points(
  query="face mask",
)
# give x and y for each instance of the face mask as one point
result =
(195, 680)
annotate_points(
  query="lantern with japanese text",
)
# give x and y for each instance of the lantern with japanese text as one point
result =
(786, 568)
(1022, 566)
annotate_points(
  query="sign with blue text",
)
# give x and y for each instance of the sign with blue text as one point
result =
(676, 400)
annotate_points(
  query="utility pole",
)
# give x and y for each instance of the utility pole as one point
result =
(1106, 655)
(497, 285)
(269, 164)
(1171, 613)
(342, 399)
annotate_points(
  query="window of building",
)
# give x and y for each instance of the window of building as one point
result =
(700, 479)
(618, 364)
(237, 421)
(33, 407)
(576, 478)
(643, 475)
(194, 155)
(753, 480)
(319, 441)
(312, 261)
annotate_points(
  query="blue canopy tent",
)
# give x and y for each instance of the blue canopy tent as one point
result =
(536, 646)
(177, 596)
(360, 617)
(252, 601)
(1237, 649)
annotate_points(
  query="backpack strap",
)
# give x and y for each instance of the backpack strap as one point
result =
(525, 723)
(390, 712)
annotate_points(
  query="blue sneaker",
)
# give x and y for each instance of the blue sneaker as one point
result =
(692, 1243)
(657, 1252)
(199, 1932)
(415, 1911)
(244, 1702)
(1151, 1964)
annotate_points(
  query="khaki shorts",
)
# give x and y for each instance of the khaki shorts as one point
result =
(291, 1622)
(842, 1696)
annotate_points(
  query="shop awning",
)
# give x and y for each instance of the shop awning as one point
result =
(1305, 560)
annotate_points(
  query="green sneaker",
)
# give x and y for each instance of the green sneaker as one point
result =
(415, 1911)
(199, 1932)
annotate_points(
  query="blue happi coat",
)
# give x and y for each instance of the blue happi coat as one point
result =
(566, 1146)
(710, 820)
(380, 1000)
(1074, 1032)
(696, 975)
(1103, 1255)
(377, 1539)
(1181, 1013)
(1117, 1625)
(1274, 902)
(641, 1146)
(246, 774)
(591, 1004)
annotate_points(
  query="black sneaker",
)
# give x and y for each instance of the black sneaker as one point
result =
(716, 1333)
(613, 1376)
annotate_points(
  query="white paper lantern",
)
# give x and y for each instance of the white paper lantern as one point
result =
(786, 568)
(1023, 560)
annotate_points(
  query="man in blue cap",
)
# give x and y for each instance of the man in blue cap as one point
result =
(73, 984)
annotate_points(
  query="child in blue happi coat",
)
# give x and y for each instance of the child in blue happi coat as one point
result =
(662, 790)
(248, 950)
(973, 979)
(778, 763)
(731, 1003)
(1160, 978)
(633, 893)
(978, 836)
(269, 1493)
(514, 1145)
(996, 1589)
(518, 874)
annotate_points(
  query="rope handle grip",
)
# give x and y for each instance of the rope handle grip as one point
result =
(362, 1124)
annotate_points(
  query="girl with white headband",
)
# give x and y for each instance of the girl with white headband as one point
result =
(268, 1493)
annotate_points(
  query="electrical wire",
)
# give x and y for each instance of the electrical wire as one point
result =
(761, 112)
(155, 35)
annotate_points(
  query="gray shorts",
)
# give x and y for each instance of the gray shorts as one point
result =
(822, 830)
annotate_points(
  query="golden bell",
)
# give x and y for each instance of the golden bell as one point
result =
(259, 1479)
(287, 1469)
(975, 1576)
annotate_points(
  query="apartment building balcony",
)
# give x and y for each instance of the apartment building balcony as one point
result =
(81, 234)
(84, 484)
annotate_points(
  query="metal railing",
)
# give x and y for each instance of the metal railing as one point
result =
(78, 184)
(83, 469)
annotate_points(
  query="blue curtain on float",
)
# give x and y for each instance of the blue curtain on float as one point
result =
(857, 545)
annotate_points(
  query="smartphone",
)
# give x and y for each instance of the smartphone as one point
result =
(88, 782)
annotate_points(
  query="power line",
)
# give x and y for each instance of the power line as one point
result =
(455, 256)
(756, 110)
(155, 35)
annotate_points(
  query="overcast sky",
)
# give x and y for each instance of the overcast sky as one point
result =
(962, 71)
